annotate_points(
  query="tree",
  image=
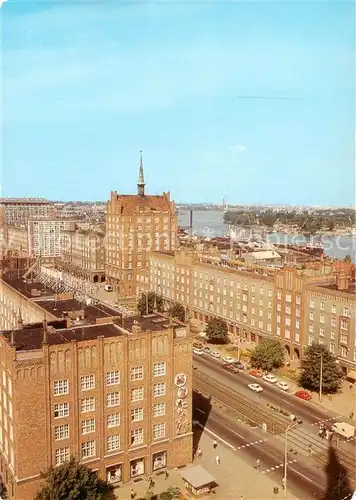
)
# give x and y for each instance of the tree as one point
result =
(73, 481)
(217, 331)
(347, 258)
(171, 493)
(148, 302)
(177, 311)
(311, 367)
(268, 354)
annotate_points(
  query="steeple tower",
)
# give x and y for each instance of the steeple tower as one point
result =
(141, 180)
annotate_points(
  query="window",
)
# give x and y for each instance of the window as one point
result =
(113, 443)
(288, 310)
(87, 382)
(297, 312)
(288, 321)
(287, 333)
(88, 426)
(346, 311)
(297, 300)
(62, 455)
(88, 404)
(322, 306)
(278, 331)
(88, 449)
(261, 290)
(113, 378)
(332, 348)
(112, 399)
(137, 373)
(159, 369)
(310, 340)
(343, 339)
(279, 295)
(333, 308)
(136, 414)
(311, 303)
(136, 436)
(61, 410)
(61, 432)
(332, 334)
(288, 298)
(321, 332)
(322, 318)
(297, 338)
(311, 328)
(311, 316)
(269, 293)
(159, 431)
(159, 389)
(113, 420)
(333, 322)
(278, 318)
(159, 409)
(344, 324)
(279, 307)
(355, 355)
(61, 387)
(269, 327)
(137, 394)
(343, 352)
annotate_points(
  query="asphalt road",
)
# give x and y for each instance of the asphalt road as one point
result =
(307, 411)
(303, 479)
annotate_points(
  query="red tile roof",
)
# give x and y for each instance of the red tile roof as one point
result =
(132, 203)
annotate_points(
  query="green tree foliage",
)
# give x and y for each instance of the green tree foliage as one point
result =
(147, 303)
(217, 331)
(177, 311)
(172, 493)
(267, 355)
(311, 366)
(73, 481)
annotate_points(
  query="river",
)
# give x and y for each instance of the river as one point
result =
(210, 223)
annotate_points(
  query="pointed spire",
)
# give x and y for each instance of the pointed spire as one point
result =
(141, 179)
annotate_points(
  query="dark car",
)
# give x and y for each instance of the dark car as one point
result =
(303, 395)
(230, 368)
(239, 365)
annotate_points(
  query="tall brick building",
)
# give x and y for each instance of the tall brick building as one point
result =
(116, 396)
(136, 225)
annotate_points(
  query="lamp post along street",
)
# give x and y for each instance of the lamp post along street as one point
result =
(321, 378)
(290, 427)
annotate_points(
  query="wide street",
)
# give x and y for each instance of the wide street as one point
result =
(308, 412)
(303, 478)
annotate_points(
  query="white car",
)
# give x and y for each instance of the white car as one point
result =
(229, 360)
(283, 385)
(198, 350)
(270, 378)
(215, 354)
(255, 387)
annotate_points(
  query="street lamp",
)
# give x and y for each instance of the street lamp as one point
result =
(292, 424)
(321, 378)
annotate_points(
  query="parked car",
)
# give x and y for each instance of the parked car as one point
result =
(207, 350)
(229, 359)
(255, 373)
(198, 350)
(215, 354)
(239, 365)
(230, 368)
(303, 395)
(270, 378)
(255, 387)
(283, 385)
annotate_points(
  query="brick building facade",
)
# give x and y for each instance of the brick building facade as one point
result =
(117, 397)
(136, 225)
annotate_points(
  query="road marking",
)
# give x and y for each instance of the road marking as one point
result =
(200, 411)
(275, 467)
(259, 441)
(217, 437)
(326, 420)
(237, 434)
(305, 477)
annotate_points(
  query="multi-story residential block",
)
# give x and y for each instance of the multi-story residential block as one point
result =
(45, 236)
(295, 306)
(119, 398)
(83, 253)
(18, 211)
(136, 225)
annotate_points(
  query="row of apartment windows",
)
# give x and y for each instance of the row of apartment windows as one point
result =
(112, 398)
(87, 382)
(346, 309)
(113, 443)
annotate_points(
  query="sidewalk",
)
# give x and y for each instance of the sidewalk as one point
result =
(234, 476)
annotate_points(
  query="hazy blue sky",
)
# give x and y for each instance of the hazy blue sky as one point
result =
(86, 85)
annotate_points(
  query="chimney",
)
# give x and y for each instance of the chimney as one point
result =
(342, 282)
(136, 327)
(45, 339)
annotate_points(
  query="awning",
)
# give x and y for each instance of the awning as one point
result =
(197, 476)
(351, 375)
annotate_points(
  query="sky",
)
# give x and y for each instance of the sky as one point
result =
(253, 101)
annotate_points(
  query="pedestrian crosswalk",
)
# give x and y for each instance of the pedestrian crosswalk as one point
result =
(253, 443)
(326, 420)
(279, 466)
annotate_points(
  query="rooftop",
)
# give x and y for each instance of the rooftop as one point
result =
(36, 201)
(131, 203)
(30, 337)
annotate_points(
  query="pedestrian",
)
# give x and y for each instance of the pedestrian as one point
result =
(199, 452)
(241, 497)
(166, 473)
(215, 445)
(132, 494)
(258, 463)
(351, 415)
(310, 449)
(217, 460)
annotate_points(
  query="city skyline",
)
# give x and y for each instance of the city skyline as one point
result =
(219, 112)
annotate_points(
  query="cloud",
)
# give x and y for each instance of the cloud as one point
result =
(238, 148)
